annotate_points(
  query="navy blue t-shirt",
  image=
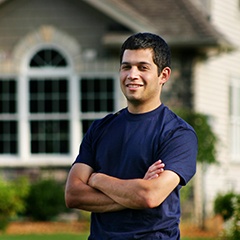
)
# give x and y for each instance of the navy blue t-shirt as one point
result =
(124, 145)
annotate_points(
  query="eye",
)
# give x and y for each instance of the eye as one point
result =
(143, 67)
(125, 67)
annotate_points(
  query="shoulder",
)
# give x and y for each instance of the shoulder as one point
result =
(173, 123)
(101, 124)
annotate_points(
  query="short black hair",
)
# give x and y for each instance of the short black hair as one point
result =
(161, 50)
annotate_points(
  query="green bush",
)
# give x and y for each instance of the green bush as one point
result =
(228, 206)
(223, 205)
(12, 199)
(235, 229)
(45, 200)
(207, 139)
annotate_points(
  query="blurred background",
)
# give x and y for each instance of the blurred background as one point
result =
(59, 63)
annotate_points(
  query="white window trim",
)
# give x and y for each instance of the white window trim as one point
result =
(235, 120)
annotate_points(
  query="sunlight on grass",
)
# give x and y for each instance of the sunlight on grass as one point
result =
(45, 237)
(203, 238)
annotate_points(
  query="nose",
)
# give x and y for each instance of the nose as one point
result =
(133, 73)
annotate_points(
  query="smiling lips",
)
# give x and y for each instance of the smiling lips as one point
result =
(134, 86)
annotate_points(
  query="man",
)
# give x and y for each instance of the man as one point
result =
(118, 174)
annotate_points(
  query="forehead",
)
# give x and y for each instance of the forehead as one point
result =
(138, 55)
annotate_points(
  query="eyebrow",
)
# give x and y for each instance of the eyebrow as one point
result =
(136, 63)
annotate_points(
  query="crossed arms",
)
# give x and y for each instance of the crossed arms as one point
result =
(97, 192)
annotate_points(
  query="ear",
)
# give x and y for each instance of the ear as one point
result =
(165, 75)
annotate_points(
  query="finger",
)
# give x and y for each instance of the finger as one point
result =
(155, 167)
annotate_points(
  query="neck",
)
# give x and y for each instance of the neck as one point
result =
(138, 109)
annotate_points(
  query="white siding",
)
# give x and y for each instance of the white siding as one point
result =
(212, 80)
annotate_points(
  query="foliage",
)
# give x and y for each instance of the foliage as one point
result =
(12, 199)
(228, 206)
(223, 205)
(206, 138)
(45, 200)
(235, 228)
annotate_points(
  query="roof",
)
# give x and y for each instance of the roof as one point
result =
(179, 22)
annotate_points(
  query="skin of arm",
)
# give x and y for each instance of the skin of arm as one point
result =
(136, 193)
(78, 194)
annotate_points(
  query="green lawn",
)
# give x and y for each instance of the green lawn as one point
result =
(61, 237)
(45, 237)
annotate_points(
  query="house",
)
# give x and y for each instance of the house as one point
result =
(59, 71)
(217, 94)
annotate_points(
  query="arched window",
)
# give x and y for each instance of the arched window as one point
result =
(48, 58)
(46, 110)
(49, 104)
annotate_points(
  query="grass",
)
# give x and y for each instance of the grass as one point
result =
(61, 237)
(45, 237)
(203, 238)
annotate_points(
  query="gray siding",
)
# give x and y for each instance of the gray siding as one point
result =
(74, 17)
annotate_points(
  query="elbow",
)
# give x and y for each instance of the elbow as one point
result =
(69, 201)
(151, 203)
(150, 200)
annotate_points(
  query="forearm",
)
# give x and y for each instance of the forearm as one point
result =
(81, 196)
(136, 193)
(87, 198)
(129, 193)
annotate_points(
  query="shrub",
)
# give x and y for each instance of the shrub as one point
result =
(12, 199)
(45, 200)
(235, 229)
(228, 206)
(207, 139)
(223, 205)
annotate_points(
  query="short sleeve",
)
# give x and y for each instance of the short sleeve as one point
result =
(86, 153)
(179, 153)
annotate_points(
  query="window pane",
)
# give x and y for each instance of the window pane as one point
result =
(50, 136)
(8, 103)
(48, 58)
(48, 96)
(85, 125)
(9, 137)
(97, 95)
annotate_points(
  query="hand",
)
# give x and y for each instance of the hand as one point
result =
(154, 170)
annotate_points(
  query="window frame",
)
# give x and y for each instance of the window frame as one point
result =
(234, 114)
(74, 115)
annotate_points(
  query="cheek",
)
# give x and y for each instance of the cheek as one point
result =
(122, 77)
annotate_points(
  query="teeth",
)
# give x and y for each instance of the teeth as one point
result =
(133, 86)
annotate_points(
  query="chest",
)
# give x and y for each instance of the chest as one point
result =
(127, 150)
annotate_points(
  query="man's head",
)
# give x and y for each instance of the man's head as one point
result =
(160, 49)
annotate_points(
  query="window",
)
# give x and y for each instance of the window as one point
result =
(50, 136)
(235, 119)
(8, 117)
(48, 58)
(49, 97)
(97, 96)
(47, 109)
(49, 105)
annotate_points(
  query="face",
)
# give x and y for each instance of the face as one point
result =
(139, 79)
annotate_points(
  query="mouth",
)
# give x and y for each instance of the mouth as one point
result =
(134, 86)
